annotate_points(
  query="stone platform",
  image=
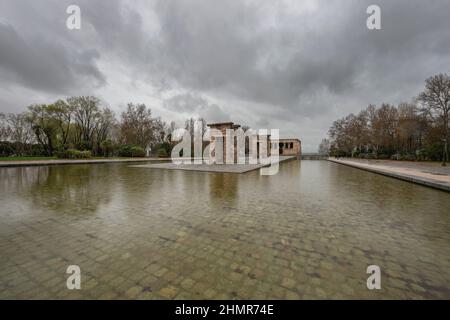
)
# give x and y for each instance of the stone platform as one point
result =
(221, 168)
(427, 174)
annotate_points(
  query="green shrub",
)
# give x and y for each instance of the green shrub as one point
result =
(107, 147)
(84, 145)
(384, 156)
(137, 151)
(431, 152)
(162, 153)
(131, 151)
(167, 146)
(73, 154)
(124, 151)
(407, 157)
(85, 154)
(6, 149)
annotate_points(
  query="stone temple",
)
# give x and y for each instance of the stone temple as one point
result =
(264, 144)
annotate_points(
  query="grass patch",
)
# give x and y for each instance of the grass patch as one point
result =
(55, 158)
(25, 158)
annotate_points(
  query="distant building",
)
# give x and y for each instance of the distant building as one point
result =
(286, 147)
(289, 147)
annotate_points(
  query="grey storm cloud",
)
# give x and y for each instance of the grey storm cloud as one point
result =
(296, 65)
(43, 59)
(233, 49)
(195, 105)
(43, 65)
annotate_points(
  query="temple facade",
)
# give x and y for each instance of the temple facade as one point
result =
(289, 147)
(286, 147)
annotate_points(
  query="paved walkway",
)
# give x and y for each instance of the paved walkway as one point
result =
(223, 168)
(27, 163)
(428, 174)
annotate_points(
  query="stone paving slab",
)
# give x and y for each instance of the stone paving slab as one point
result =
(308, 232)
(420, 173)
(221, 168)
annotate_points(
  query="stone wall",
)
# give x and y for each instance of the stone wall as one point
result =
(287, 147)
(290, 147)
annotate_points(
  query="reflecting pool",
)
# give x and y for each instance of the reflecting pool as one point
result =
(309, 232)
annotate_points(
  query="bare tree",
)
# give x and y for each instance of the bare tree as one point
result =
(170, 130)
(411, 128)
(436, 98)
(44, 126)
(137, 126)
(159, 131)
(86, 114)
(105, 124)
(64, 114)
(20, 130)
(324, 147)
(189, 126)
(4, 128)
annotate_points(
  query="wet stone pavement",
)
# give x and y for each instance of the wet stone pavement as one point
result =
(309, 232)
(429, 174)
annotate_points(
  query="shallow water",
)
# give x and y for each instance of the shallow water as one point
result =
(308, 232)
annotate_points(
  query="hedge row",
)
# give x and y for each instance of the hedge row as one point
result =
(73, 154)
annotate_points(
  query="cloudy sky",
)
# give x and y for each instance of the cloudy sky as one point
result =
(294, 65)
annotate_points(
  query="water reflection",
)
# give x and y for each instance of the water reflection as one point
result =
(62, 190)
(314, 227)
(223, 187)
